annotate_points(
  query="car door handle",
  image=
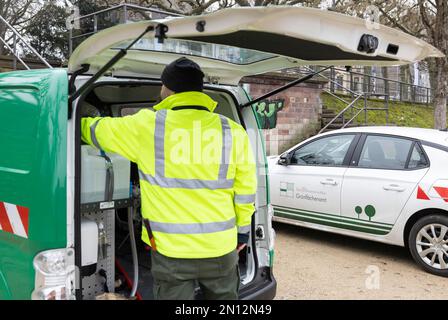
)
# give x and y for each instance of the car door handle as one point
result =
(394, 187)
(330, 182)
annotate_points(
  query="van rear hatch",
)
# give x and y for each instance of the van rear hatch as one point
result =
(232, 43)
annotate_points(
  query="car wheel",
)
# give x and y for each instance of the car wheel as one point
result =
(428, 244)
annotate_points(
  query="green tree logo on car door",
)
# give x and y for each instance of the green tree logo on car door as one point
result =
(358, 211)
(369, 210)
(267, 112)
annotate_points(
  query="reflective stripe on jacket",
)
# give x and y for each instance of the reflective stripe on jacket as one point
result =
(197, 173)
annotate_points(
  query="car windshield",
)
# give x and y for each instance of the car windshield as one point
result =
(194, 48)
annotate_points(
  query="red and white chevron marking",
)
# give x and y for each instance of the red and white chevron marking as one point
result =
(14, 219)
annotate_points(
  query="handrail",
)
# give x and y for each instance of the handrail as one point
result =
(42, 59)
(13, 52)
(353, 118)
(397, 90)
(341, 112)
(335, 96)
(334, 82)
(381, 78)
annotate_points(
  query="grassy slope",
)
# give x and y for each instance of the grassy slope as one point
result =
(400, 113)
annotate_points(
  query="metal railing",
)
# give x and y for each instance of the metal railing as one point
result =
(103, 19)
(353, 111)
(341, 114)
(351, 107)
(350, 95)
(18, 39)
(349, 114)
(353, 81)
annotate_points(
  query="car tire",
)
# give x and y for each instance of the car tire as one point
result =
(428, 249)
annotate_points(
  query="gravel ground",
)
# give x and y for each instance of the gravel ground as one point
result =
(311, 264)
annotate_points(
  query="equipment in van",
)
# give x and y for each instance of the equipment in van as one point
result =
(104, 177)
(89, 258)
(102, 241)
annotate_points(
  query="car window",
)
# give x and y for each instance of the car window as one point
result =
(380, 152)
(329, 151)
(418, 158)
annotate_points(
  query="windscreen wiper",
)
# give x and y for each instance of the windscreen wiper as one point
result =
(121, 53)
(283, 88)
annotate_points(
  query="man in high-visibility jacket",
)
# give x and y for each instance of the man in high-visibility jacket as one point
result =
(198, 183)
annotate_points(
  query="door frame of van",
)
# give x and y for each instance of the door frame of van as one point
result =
(77, 163)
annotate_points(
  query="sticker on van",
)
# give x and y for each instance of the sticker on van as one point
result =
(14, 219)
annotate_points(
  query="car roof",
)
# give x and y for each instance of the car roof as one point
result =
(430, 135)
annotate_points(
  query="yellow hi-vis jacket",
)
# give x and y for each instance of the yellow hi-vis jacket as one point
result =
(197, 173)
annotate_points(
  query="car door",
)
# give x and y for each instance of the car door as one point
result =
(384, 173)
(309, 188)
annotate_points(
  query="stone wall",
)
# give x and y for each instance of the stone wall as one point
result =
(299, 119)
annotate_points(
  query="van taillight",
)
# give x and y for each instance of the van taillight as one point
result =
(55, 275)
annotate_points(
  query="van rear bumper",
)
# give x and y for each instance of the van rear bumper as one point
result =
(265, 289)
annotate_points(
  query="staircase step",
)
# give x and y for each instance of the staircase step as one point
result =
(328, 111)
(336, 120)
(330, 116)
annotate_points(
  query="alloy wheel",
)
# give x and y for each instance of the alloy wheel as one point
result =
(432, 245)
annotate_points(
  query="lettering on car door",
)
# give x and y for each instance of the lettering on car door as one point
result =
(309, 188)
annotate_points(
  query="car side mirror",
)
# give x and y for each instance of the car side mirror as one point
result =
(285, 159)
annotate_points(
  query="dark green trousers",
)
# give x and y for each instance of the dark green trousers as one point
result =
(177, 279)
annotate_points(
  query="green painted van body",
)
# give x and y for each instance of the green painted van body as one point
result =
(33, 170)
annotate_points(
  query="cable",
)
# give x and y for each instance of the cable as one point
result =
(128, 281)
(133, 249)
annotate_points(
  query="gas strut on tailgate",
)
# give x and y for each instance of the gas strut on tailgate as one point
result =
(283, 88)
(121, 53)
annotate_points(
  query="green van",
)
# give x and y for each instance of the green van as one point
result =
(69, 215)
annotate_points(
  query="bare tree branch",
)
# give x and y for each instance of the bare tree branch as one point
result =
(425, 19)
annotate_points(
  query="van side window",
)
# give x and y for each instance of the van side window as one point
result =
(382, 152)
(418, 159)
(328, 151)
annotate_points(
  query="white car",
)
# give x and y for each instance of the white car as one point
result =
(386, 184)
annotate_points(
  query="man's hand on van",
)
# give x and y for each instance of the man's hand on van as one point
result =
(240, 247)
(243, 238)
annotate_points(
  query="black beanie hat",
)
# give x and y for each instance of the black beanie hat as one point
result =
(183, 75)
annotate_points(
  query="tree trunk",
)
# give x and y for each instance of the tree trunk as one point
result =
(440, 93)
